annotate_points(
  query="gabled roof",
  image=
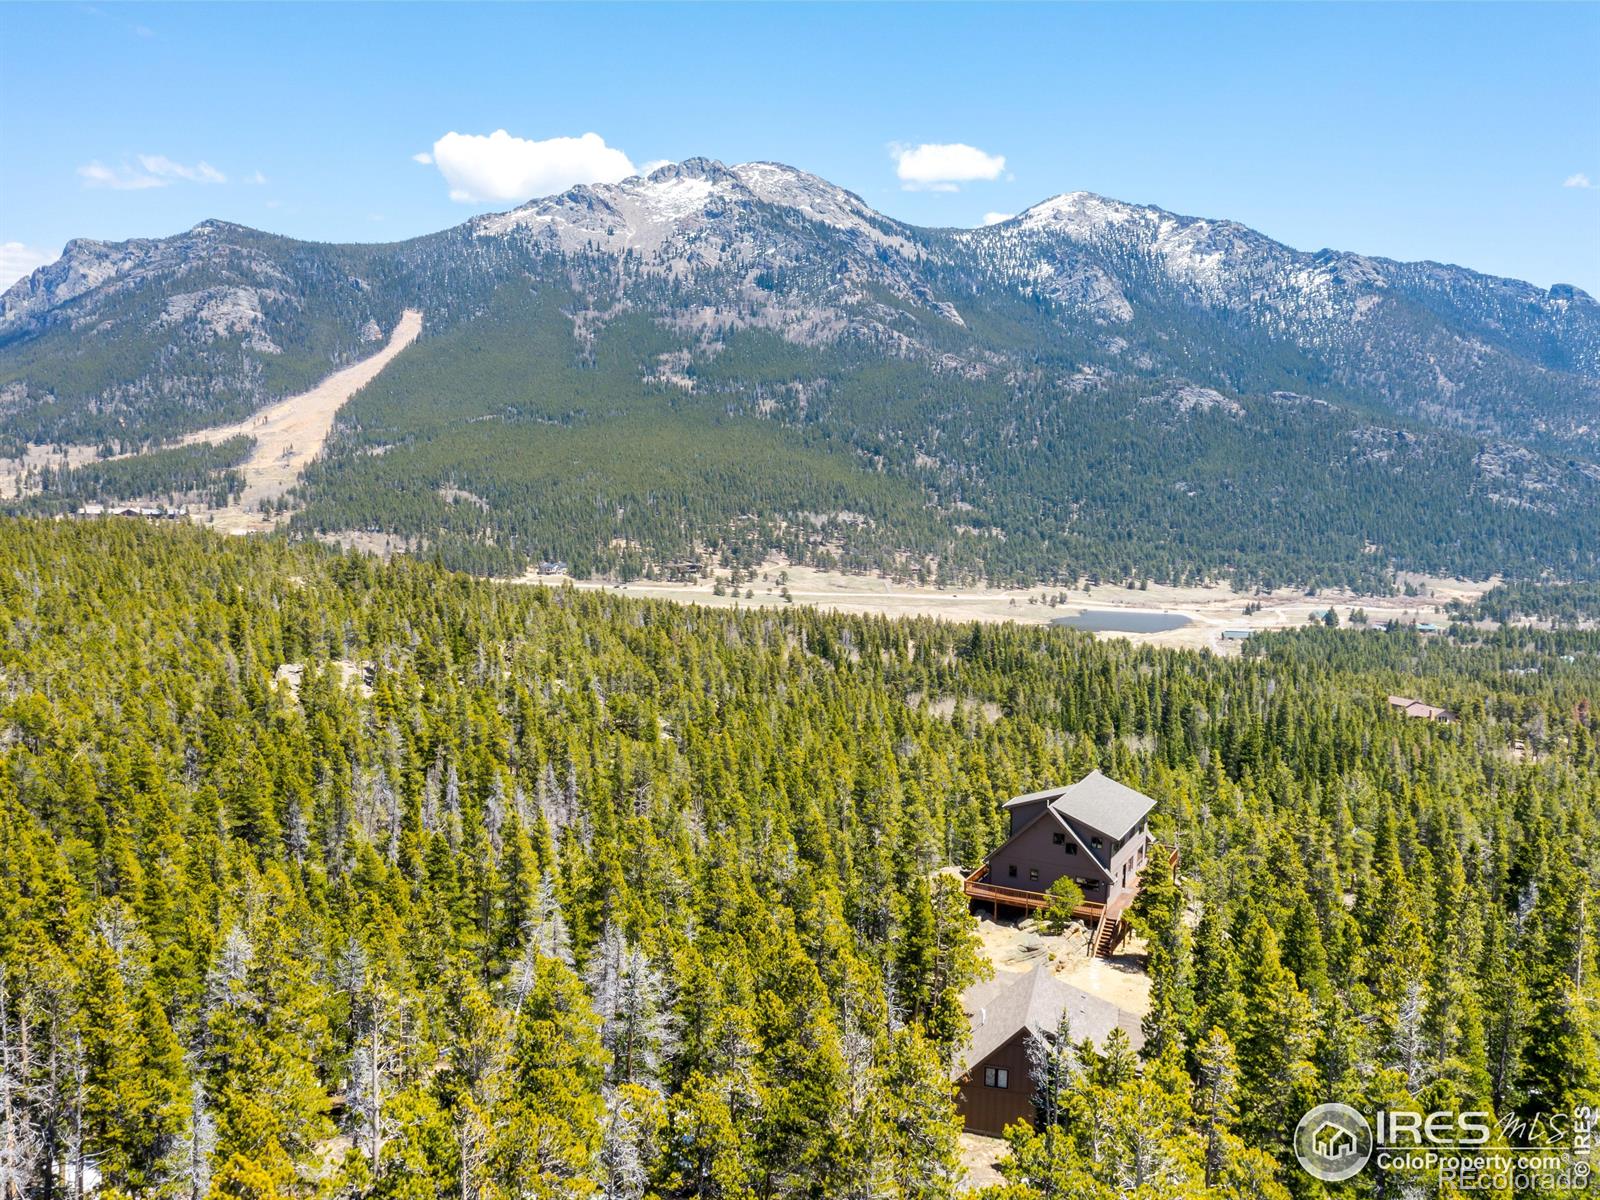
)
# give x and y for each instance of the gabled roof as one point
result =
(1416, 708)
(1032, 797)
(1096, 801)
(1010, 1003)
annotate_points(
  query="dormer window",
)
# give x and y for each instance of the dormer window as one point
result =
(1058, 837)
(1096, 844)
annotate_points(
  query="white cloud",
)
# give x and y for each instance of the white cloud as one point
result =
(17, 260)
(151, 171)
(423, 157)
(500, 167)
(122, 179)
(943, 166)
(996, 218)
(163, 167)
(256, 178)
(654, 165)
(1580, 180)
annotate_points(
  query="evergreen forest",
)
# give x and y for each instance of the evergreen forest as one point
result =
(329, 877)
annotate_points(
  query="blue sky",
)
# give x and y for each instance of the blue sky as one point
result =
(1459, 133)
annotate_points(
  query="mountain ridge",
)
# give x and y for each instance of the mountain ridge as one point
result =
(755, 317)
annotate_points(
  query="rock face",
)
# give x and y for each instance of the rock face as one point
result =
(222, 319)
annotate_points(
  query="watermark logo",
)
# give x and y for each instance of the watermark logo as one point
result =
(1333, 1142)
(1466, 1151)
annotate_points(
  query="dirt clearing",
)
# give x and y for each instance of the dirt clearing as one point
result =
(290, 433)
(1118, 980)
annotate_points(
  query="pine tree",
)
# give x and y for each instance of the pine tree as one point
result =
(1274, 1042)
(107, 1035)
(1561, 1061)
(1214, 1099)
(548, 1128)
(1157, 914)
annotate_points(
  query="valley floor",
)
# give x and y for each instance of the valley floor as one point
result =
(1210, 609)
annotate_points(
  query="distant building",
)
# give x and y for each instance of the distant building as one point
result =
(150, 512)
(1416, 708)
(1236, 635)
(1429, 627)
(992, 1072)
(552, 566)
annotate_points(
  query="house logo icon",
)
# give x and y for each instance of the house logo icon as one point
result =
(1333, 1142)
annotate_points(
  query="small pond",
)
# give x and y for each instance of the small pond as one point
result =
(1121, 620)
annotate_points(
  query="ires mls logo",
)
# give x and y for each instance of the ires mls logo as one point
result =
(1333, 1142)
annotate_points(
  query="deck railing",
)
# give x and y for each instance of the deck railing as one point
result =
(977, 886)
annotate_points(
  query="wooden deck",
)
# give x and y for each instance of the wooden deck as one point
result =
(1109, 920)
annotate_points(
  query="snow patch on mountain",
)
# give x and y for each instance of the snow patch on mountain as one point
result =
(1078, 214)
(670, 204)
(819, 200)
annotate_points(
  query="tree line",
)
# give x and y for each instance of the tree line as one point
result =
(325, 876)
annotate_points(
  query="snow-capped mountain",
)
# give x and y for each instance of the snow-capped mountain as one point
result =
(698, 243)
(1259, 379)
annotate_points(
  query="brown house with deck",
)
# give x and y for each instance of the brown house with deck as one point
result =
(1094, 832)
(992, 1073)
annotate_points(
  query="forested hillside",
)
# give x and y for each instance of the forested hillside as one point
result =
(510, 440)
(735, 361)
(330, 877)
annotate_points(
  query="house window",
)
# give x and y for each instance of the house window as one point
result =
(1058, 837)
(1095, 844)
(1033, 872)
(1090, 885)
(1072, 847)
(1012, 870)
(996, 1077)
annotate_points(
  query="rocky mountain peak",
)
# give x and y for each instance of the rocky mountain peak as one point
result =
(1080, 213)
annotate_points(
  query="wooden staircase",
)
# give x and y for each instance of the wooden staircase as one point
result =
(1108, 934)
(1112, 927)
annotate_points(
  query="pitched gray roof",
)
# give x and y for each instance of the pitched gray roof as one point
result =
(1047, 794)
(1096, 801)
(1001, 1007)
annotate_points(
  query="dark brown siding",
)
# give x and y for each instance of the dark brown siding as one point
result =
(1034, 849)
(1022, 814)
(989, 1110)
